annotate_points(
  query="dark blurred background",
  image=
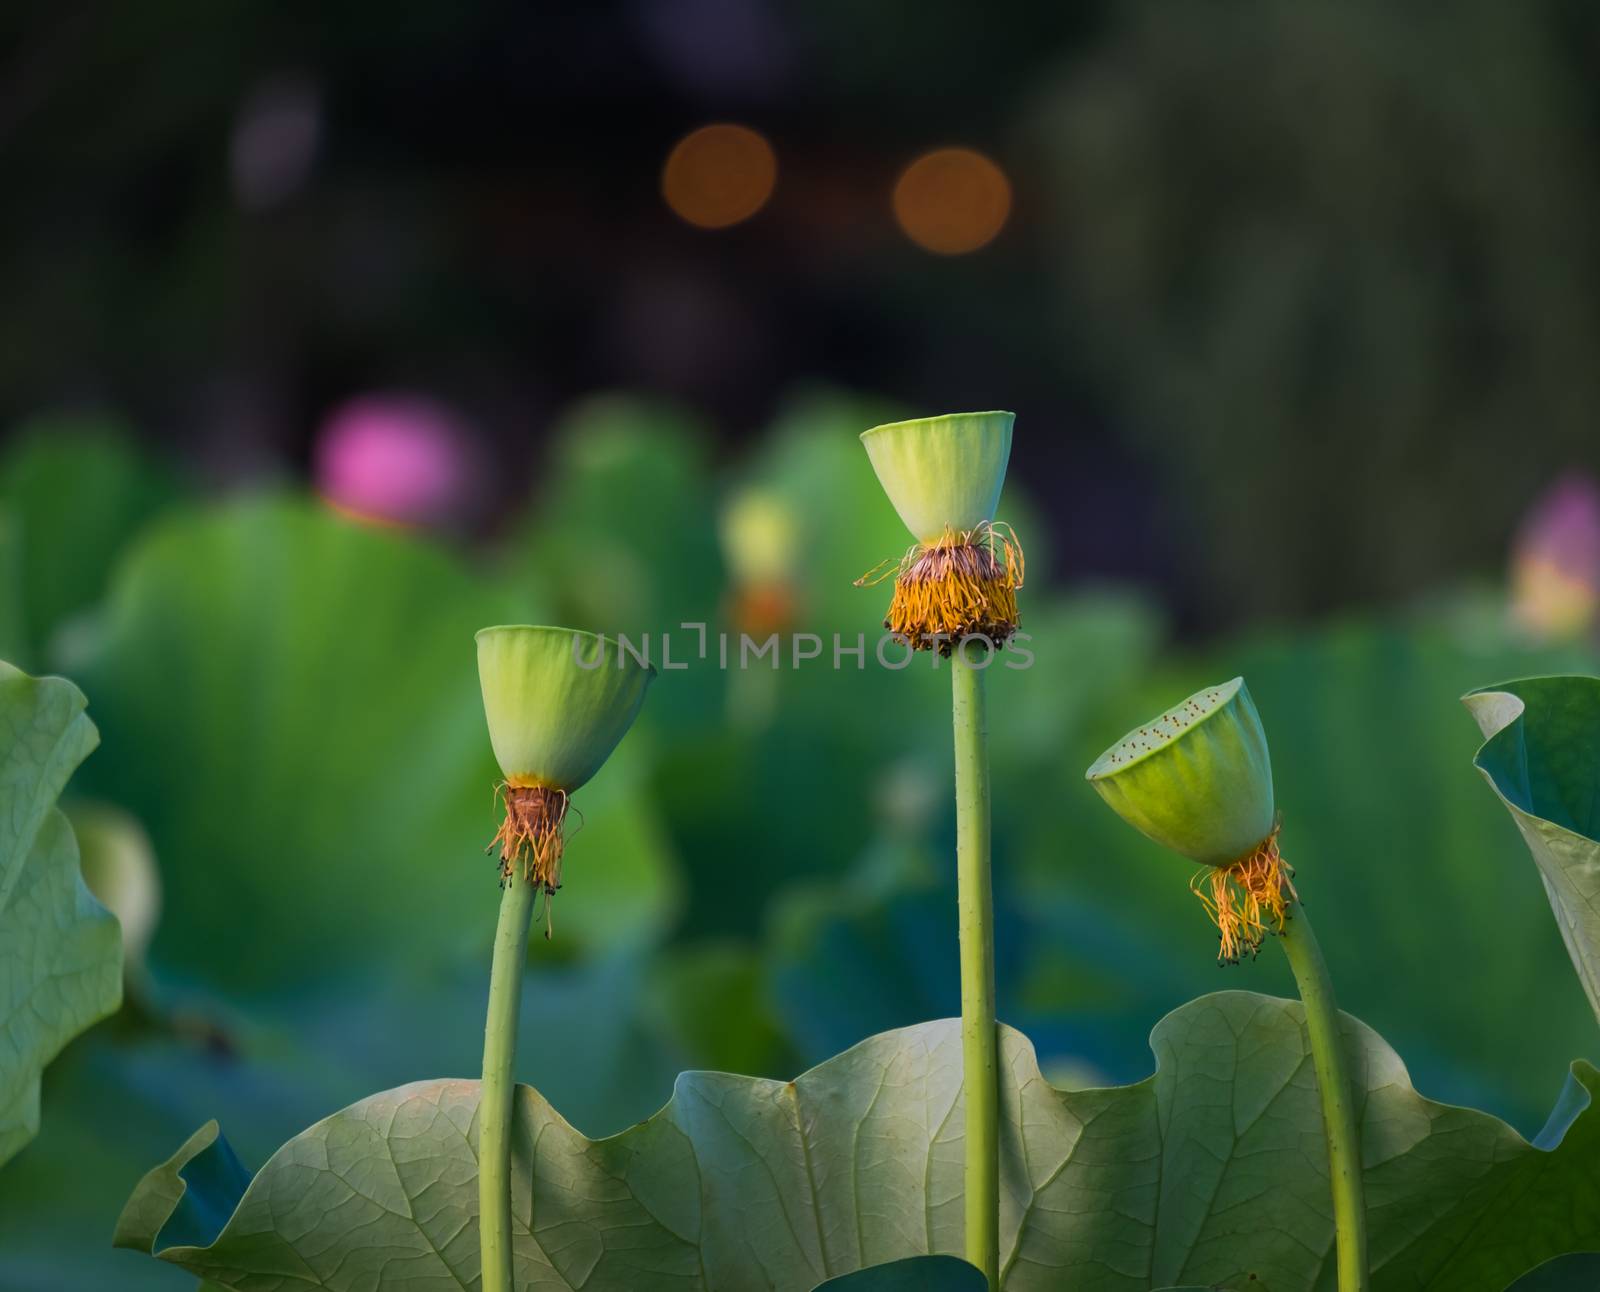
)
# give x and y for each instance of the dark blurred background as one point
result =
(1276, 290)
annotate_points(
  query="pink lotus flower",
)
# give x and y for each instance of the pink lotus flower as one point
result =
(1555, 563)
(398, 457)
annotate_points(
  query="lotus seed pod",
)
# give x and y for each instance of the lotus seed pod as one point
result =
(943, 474)
(558, 702)
(1198, 779)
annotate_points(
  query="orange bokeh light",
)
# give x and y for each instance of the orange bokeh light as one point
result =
(718, 175)
(952, 200)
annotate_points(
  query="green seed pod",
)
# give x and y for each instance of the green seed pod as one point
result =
(943, 474)
(1198, 779)
(558, 701)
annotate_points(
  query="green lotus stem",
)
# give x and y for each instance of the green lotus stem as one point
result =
(1339, 1124)
(495, 1111)
(979, 1060)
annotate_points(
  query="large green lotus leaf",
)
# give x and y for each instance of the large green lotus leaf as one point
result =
(1400, 855)
(1212, 1169)
(76, 489)
(1541, 753)
(290, 706)
(60, 951)
(121, 1097)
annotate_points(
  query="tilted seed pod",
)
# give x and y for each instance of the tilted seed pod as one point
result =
(1198, 780)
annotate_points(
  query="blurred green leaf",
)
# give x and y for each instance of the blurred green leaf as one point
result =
(77, 490)
(869, 950)
(1401, 857)
(757, 813)
(115, 1102)
(847, 962)
(594, 1037)
(291, 708)
(711, 998)
(813, 460)
(622, 527)
(1086, 650)
(13, 626)
(622, 532)
(1541, 755)
(873, 953)
(1213, 1168)
(60, 951)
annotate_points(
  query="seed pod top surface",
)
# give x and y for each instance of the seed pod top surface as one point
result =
(558, 701)
(1197, 779)
(942, 473)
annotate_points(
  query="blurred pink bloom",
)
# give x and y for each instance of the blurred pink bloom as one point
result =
(397, 457)
(1555, 564)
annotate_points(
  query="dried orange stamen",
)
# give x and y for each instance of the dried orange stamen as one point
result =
(1248, 899)
(962, 584)
(530, 838)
